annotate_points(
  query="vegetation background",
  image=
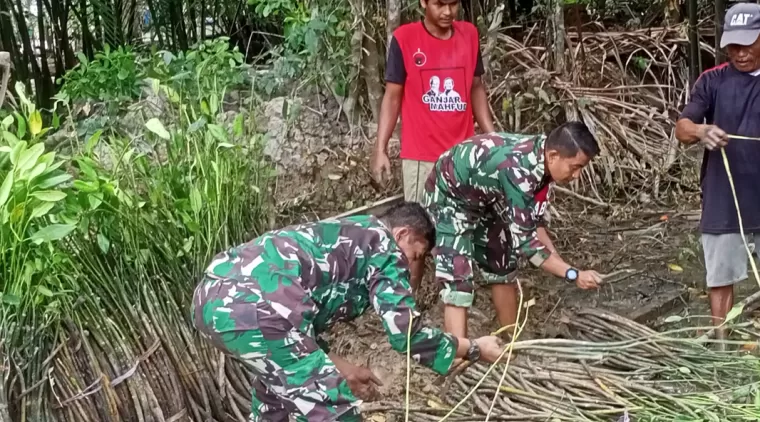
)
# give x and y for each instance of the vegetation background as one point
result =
(140, 137)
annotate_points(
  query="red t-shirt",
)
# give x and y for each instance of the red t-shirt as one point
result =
(436, 111)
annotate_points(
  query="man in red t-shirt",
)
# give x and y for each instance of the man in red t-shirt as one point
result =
(433, 78)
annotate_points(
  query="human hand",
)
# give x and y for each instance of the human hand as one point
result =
(712, 137)
(588, 280)
(490, 348)
(380, 166)
(361, 381)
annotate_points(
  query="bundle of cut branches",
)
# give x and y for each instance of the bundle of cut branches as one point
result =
(612, 369)
(626, 86)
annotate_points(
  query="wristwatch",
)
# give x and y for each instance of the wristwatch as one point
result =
(473, 353)
(571, 275)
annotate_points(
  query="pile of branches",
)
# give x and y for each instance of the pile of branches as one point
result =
(626, 86)
(612, 369)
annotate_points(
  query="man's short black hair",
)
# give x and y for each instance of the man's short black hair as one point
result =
(571, 137)
(412, 215)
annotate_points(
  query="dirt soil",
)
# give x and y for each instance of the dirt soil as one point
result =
(660, 248)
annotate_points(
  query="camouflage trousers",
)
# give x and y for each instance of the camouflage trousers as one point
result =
(463, 235)
(294, 376)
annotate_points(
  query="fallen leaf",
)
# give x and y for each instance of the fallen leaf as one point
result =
(673, 318)
(376, 418)
(530, 303)
(435, 405)
(334, 176)
(675, 268)
(664, 218)
(748, 347)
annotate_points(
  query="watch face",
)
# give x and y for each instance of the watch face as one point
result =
(572, 274)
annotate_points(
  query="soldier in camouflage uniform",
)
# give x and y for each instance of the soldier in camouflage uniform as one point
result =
(487, 197)
(267, 302)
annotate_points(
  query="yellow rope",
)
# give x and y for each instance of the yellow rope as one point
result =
(506, 349)
(741, 224)
(408, 362)
(515, 333)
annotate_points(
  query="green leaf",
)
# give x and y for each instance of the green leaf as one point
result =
(17, 150)
(217, 132)
(732, 314)
(54, 181)
(214, 104)
(95, 199)
(6, 149)
(93, 141)
(28, 158)
(5, 189)
(44, 291)
(49, 195)
(10, 299)
(103, 243)
(87, 170)
(56, 120)
(195, 200)
(20, 125)
(684, 370)
(87, 187)
(238, 125)
(11, 139)
(42, 209)
(48, 158)
(52, 233)
(35, 123)
(7, 122)
(155, 126)
(36, 171)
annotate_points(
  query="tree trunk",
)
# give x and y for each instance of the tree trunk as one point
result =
(5, 73)
(45, 89)
(203, 20)
(394, 17)
(178, 26)
(28, 52)
(371, 75)
(720, 11)
(351, 101)
(557, 28)
(155, 23)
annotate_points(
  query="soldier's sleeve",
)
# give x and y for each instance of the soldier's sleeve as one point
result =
(392, 299)
(519, 183)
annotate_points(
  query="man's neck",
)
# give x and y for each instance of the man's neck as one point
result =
(437, 31)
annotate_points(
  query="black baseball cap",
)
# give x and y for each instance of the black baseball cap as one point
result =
(742, 25)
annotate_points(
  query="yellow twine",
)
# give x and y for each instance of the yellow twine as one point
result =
(515, 333)
(739, 215)
(508, 348)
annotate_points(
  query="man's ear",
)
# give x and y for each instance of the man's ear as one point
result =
(399, 232)
(552, 155)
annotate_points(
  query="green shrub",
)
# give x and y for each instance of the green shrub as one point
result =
(112, 77)
(111, 241)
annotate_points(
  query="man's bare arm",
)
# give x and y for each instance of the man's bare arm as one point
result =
(711, 136)
(389, 111)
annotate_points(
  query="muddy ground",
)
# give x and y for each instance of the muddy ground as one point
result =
(656, 252)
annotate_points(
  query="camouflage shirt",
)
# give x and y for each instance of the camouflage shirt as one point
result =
(319, 273)
(504, 171)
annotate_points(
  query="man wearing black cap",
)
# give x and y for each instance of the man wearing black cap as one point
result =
(726, 100)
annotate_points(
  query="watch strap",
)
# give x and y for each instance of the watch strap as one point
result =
(473, 352)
